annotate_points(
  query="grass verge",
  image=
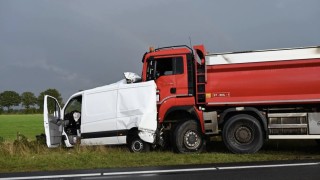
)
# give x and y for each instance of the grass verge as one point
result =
(25, 156)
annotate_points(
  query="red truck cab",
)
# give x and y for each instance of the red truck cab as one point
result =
(173, 70)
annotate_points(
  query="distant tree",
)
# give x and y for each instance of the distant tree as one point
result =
(52, 92)
(9, 98)
(28, 99)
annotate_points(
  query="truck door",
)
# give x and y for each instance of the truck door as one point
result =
(52, 121)
(168, 73)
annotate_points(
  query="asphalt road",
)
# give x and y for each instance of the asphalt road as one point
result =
(293, 170)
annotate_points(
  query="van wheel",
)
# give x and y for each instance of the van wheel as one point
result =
(187, 137)
(136, 145)
(242, 134)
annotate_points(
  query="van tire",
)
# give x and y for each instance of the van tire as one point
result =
(136, 145)
(187, 137)
(242, 134)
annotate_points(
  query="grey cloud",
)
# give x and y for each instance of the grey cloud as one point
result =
(73, 45)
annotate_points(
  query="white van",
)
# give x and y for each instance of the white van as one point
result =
(119, 113)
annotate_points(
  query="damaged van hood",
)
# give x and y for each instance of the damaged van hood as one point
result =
(137, 107)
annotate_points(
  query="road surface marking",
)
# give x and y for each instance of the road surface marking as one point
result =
(159, 171)
(267, 166)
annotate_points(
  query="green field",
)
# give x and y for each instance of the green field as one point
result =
(22, 155)
(28, 125)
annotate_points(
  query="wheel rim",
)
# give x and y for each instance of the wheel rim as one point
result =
(244, 135)
(192, 140)
(137, 146)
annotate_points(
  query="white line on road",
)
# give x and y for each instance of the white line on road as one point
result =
(267, 166)
(159, 171)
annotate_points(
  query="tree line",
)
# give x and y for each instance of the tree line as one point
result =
(12, 102)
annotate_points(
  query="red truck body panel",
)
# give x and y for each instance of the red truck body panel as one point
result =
(264, 83)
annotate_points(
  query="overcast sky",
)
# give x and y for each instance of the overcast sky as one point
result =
(72, 45)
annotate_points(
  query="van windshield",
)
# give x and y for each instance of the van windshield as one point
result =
(74, 105)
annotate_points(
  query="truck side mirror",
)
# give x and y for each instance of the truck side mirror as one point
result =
(151, 69)
(201, 52)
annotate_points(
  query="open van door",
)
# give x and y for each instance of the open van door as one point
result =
(53, 125)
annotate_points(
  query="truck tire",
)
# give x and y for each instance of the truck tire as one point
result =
(136, 145)
(187, 137)
(243, 134)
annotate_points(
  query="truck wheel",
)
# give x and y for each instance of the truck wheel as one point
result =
(136, 145)
(187, 137)
(242, 134)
